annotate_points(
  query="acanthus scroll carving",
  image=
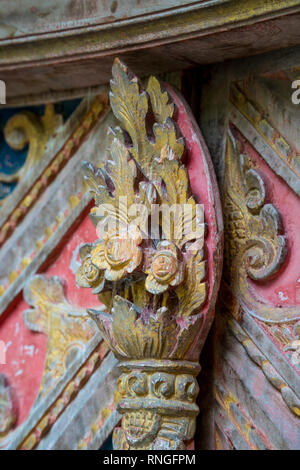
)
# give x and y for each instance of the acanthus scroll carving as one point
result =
(25, 128)
(153, 277)
(255, 243)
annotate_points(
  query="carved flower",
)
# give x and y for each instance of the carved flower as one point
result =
(166, 270)
(88, 275)
(118, 253)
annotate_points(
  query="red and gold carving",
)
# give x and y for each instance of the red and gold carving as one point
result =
(159, 289)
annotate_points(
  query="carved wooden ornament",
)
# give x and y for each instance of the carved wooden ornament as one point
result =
(157, 262)
(255, 244)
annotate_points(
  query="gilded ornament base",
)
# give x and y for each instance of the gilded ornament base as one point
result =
(158, 404)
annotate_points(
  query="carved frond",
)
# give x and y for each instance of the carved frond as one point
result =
(187, 335)
(161, 104)
(95, 178)
(166, 135)
(139, 338)
(120, 169)
(147, 195)
(140, 296)
(175, 178)
(193, 223)
(106, 298)
(130, 106)
(192, 293)
(112, 185)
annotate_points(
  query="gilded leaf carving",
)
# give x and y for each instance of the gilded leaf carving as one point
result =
(67, 328)
(148, 265)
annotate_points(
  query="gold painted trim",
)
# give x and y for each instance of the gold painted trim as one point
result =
(68, 394)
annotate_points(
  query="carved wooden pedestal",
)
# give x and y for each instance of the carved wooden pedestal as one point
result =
(158, 404)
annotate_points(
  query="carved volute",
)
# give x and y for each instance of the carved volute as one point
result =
(156, 263)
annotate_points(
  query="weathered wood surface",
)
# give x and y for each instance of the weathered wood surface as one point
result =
(252, 397)
(170, 39)
(33, 18)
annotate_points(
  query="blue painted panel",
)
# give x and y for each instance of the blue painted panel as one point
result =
(12, 160)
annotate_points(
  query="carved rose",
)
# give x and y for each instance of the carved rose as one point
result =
(88, 275)
(118, 253)
(166, 269)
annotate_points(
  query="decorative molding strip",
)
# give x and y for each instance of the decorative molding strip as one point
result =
(85, 410)
(97, 111)
(152, 282)
(69, 393)
(243, 423)
(60, 219)
(275, 379)
(264, 127)
(278, 153)
(203, 18)
(106, 414)
(285, 336)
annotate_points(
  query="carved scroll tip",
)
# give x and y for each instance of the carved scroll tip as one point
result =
(99, 316)
(96, 313)
(118, 69)
(118, 64)
(87, 166)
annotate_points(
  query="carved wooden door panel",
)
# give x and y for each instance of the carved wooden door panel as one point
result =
(256, 383)
(153, 286)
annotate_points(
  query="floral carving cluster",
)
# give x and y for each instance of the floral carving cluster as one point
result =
(115, 256)
(127, 259)
(151, 279)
